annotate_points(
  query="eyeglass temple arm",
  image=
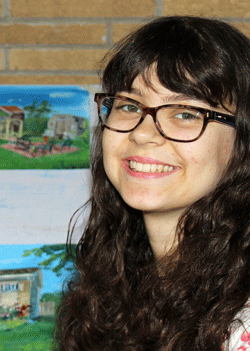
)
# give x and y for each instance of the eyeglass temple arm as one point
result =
(223, 118)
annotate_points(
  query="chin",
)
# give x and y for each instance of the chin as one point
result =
(145, 206)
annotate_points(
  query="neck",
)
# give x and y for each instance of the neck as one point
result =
(161, 230)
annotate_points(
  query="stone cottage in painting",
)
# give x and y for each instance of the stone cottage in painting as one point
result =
(66, 126)
(21, 287)
(11, 122)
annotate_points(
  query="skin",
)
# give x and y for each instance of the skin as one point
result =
(197, 166)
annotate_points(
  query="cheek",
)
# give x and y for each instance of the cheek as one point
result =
(194, 160)
(225, 151)
(228, 148)
(107, 156)
(197, 155)
(217, 148)
(207, 160)
(111, 140)
(111, 149)
(108, 145)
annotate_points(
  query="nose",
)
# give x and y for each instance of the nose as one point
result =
(146, 133)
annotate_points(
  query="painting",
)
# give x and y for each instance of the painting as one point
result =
(31, 278)
(45, 134)
(44, 127)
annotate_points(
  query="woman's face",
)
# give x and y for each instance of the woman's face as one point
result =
(191, 170)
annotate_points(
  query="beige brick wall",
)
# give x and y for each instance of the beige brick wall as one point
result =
(62, 42)
(218, 8)
(54, 59)
(82, 8)
(52, 34)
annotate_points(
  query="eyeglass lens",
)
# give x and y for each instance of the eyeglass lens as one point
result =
(175, 121)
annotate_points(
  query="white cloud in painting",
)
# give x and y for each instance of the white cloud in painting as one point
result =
(11, 261)
(61, 95)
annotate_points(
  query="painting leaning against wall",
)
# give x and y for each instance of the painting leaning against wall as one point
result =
(44, 127)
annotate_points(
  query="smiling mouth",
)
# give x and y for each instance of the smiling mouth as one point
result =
(149, 167)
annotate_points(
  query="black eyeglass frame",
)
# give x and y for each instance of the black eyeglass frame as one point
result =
(211, 116)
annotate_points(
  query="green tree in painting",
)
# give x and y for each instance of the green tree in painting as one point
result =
(37, 116)
(86, 134)
(58, 258)
(51, 296)
(54, 297)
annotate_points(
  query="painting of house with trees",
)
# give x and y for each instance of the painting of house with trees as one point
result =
(30, 296)
(20, 291)
(44, 127)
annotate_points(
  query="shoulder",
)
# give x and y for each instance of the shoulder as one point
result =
(240, 332)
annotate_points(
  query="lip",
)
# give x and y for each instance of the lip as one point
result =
(145, 160)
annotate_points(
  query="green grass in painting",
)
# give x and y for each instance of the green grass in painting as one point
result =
(78, 159)
(11, 323)
(29, 337)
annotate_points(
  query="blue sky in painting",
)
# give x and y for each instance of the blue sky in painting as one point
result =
(64, 99)
(11, 258)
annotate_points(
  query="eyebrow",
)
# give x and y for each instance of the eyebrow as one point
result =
(174, 97)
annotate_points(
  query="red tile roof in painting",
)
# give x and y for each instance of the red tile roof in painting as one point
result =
(12, 108)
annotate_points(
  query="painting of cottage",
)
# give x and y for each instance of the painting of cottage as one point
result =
(66, 126)
(11, 122)
(45, 127)
(31, 279)
(20, 290)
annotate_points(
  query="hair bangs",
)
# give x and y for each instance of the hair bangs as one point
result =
(196, 77)
(185, 57)
(124, 65)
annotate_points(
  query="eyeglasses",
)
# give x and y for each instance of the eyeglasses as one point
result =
(182, 123)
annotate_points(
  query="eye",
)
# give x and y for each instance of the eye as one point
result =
(189, 115)
(130, 108)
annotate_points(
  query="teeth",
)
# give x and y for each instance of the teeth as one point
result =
(160, 168)
(132, 164)
(147, 168)
(139, 167)
(154, 168)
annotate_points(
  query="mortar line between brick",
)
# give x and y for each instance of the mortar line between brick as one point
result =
(80, 20)
(96, 20)
(6, 9)
(109, 33)
(48, 21)
(235, 19)
(55, 46)
(50, 73)
(6, 59)
(159, 7)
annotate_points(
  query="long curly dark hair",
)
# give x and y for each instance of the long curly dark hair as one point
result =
(122, 297)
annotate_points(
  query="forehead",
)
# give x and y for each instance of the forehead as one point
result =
(152, 92)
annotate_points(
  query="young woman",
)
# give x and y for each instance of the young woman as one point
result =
(163, 263)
